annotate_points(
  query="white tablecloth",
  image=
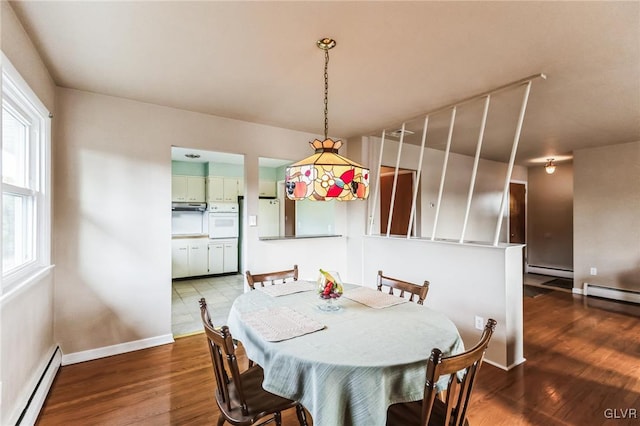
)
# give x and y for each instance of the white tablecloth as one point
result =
(364, 360)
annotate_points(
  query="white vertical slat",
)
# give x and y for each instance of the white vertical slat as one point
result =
(416, 184)
(475, 166)
(376, 194)
(512, 159)
(444, 171)
(395, 181)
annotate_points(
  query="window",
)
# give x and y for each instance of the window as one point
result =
(26, 209)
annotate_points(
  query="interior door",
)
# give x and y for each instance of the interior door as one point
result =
(289, 217)
(517, 213)
(401, 205)
(517, 217)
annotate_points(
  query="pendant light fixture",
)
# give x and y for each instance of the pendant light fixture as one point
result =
(326, 175)
(550, 167)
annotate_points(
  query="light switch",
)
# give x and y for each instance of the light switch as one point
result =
(253, 220)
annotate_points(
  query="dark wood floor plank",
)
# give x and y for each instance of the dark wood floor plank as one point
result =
(583, 358)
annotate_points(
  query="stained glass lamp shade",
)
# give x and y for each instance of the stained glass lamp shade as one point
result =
(326, 175)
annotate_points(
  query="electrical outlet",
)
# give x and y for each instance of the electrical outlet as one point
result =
(479, 323)
(594, 270)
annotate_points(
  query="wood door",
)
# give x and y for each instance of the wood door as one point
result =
(289, 217)
(401, 205)
(517, 213)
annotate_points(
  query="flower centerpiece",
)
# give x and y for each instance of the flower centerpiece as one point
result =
(329, 289)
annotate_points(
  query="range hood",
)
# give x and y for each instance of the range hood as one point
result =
(188, 207)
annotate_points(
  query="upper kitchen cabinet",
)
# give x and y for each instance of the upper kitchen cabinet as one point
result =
(230, 193)
(267, 188)
(222, 189)
(187, 189)
(215, 189)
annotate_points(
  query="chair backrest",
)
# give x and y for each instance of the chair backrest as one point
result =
(223, 358)
(462, 370)
(273, 277)
(403, 286)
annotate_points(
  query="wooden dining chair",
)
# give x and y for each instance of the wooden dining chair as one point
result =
(403, 286)
(241, 399)
(272, 277)
(451, 409)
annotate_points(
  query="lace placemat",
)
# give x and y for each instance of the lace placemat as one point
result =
(291, 287)
(280, 323)
(373, 298)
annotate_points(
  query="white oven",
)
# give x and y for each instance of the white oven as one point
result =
(224, 221)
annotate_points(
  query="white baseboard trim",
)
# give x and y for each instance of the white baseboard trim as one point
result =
(502, 367)
(34, 402)
(561, 273)
(121, 348)
(576, 290)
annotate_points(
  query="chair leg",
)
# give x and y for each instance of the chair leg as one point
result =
(302, 417)
(220, 420)
(278, 418)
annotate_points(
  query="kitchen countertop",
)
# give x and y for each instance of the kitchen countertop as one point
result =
(299, 237)
(177, 236)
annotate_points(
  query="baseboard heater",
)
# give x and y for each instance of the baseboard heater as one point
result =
(29, 414)
(608, 292)
(547, 270)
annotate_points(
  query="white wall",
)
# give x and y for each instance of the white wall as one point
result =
(113, 218)
(309, 254)
(20, 50)
(465, 280)
(26, 314)
(27, 342)
(606, 216)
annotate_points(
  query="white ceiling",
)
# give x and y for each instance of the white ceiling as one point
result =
(257, 61)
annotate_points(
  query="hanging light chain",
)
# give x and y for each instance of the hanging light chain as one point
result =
(326, 93)
(326, 44)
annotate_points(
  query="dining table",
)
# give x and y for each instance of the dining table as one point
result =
(344, 366)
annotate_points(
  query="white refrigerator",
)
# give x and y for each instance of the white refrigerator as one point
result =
(268, 217)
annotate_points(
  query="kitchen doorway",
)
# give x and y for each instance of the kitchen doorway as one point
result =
(206, 254)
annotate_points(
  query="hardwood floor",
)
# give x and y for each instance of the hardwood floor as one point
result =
(583, 364)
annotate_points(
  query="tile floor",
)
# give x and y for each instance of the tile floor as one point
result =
(220, 293)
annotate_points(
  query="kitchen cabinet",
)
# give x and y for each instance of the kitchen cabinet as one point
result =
(267, 188)
(198, 257)
(230, 263)
(215, 189)
(189, 257)
(222, 189)
(216, 258)
(187, 188)
(223, 256)
(230, 194)
(179, 258)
